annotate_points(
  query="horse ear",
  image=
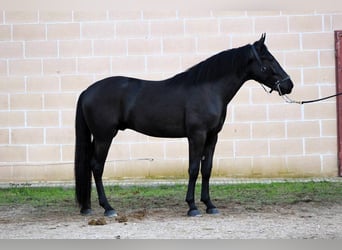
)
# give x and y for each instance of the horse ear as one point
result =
(259, 44)
(262, 39)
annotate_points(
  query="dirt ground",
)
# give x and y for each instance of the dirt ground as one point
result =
(304, 220)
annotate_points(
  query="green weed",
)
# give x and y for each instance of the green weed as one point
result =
(131, 197)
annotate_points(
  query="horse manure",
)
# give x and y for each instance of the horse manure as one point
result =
(121, 219)
(139, 214)
(97, 222)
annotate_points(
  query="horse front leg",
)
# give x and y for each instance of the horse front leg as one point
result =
(206, 167)
(100, 155)
(196, 144)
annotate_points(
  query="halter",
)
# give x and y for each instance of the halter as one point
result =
(263, 69)
(278, 82)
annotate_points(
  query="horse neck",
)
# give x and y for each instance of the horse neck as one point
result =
(237, 76)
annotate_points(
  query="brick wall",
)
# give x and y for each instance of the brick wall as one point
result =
(47, 58)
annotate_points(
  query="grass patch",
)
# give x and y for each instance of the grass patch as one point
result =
(42, 198)
(165, 196)
(280, 193)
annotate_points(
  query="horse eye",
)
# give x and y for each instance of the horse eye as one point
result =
(263, 68)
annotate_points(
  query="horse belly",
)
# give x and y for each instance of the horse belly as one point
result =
(158, 123)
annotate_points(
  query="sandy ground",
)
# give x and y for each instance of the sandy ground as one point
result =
(305, 220)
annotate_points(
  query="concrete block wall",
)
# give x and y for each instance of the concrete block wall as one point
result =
(48, 57)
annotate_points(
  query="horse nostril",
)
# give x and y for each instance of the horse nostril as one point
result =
(283, 90)
(287, 90)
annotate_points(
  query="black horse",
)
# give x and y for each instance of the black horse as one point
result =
(191, 104)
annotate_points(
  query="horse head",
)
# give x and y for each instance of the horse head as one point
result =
(265, 69)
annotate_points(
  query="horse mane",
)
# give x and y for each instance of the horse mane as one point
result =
(217, 66)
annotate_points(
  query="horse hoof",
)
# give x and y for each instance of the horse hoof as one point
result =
(194, 213)
(86, 212)
(212, 211)
(110, 213)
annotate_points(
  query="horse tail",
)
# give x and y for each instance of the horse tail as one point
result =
(83, 153)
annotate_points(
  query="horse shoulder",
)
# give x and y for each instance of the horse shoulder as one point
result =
(206, 113)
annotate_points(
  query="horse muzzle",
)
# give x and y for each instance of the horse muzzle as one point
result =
(283, 86)
(286, 88)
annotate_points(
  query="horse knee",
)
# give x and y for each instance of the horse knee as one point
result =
(193, 173)
(206, 173)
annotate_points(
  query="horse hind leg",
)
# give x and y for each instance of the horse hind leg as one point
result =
(100, 154)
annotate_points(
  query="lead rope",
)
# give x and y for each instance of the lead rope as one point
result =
(287, 99)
